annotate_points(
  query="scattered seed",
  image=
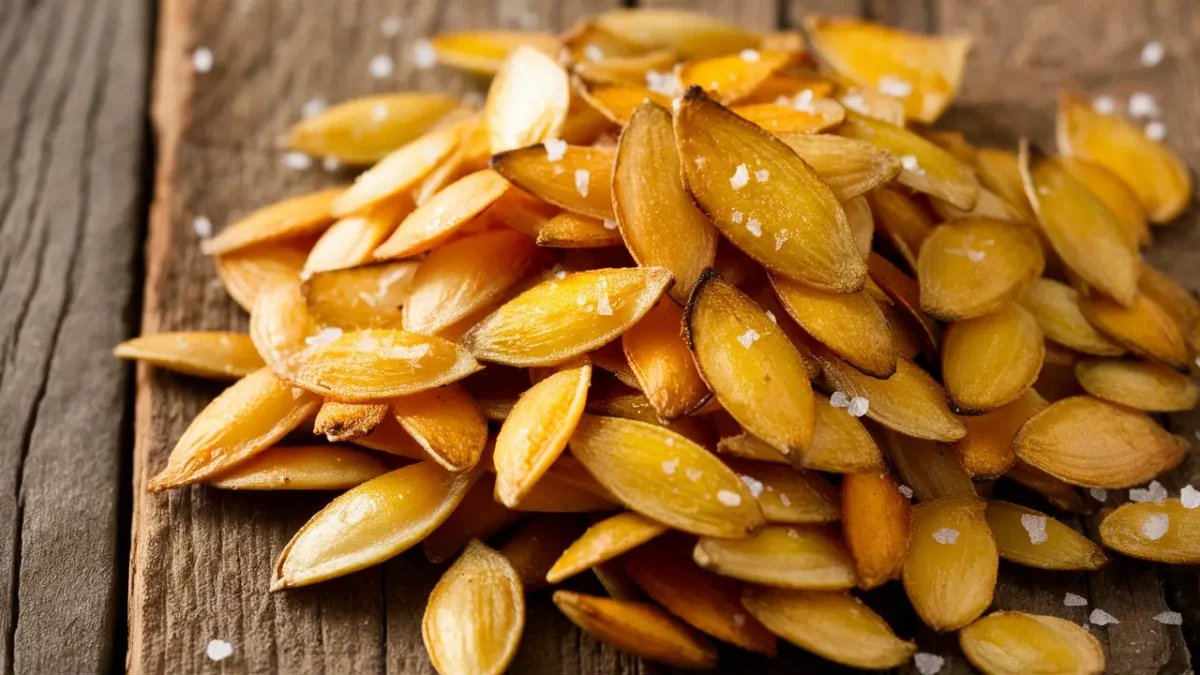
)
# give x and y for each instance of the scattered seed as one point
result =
(1189, 497)
(1073, 600)
(583, 178)
(746, 339)
(202, 60)
(858, 406)
(1100, 617)
(729, 498)
(1036, 527)
(381, 66)
(740, 177)
(1155, 526)
(1169, 618)
(555, 149)
(424, 55)
(945, 535)
(202, 226)
(218, 650)
(1099, 494)
(839, 400)
(928, 664)
(1152, 54)
(750, 56)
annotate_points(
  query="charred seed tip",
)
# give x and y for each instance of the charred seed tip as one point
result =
(695, 93)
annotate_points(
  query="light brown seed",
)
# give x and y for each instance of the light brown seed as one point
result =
(903, 220)
(352, 240)
(291, 218)
(1016, 643)
(950, 573)
(637, 407)
(1143, 327)
(604, 541)
(281, 326)
(662, 363)
(841, 444)
(308, 467)
(638, 628)
(730, 78)
(528, 100)
(988, 361)
(446, 423)
(338, 421)
(1169, 295)
(931, 469)
(1137, 384)
(1056, 306)
(215, 355)
(571, 230)
(850, 167)
(692, 34)
(247, 271)
(579, 181)
(1031, 538)
(905, 294)
(538, 543)
(823, 114)
(851, 325)
(364, 130)
(1116, 195)
(445, 214)
(400, 171)
(483, 52)
(809, 557)
(876, 523)
(1167, 532)
(986, 451)
(369, 296)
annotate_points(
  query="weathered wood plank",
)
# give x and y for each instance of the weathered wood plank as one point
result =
(72, 93)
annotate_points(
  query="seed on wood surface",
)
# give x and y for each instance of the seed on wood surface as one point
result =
(638, 628)
(294, 217)
(483, 52)
(364, 130)
(876, 522)
(1137, 384)
(1027, 537)
(950, 573)
(1016, 643)
(811, 557)
(246, 272)
(1167, 532)
(309, 467)
(1143, 327)
(628, 70)
(989, 361)
(214, 355)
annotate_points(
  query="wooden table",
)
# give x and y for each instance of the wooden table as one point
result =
(104, 170)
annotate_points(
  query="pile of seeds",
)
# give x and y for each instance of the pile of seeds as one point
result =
(659, 237)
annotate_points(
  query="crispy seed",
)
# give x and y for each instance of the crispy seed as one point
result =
(364, 130)
(400, 171)
(563, 318)
(872, 103)
(637, 463)
(617, 101)
(1168, 532)
(975, 266)
(1056, 306)
(803, 230)
(629, 70)
(833, 625)
(659, 223)
(931, 469)
(1156, 175)
(1177, 301)
(810, 557)
(538, 543)
(862, 226)
(1048, 544)
(638, 628)
(214, 355)
(1137, 384)
(380, 364)
(446, 423)
(1082, 230)
(311, 467)
(746, 446)
(850, 167)
(986, 451)
(876, 519)
(571, 230)
(1116, 195)
(841, 444)
(563, 491)
(765, 366)
(988, 361)
(1057, 492)
(536, 431)
(1088, 442)
(604, 541)
(1000, 172)
(637, 407)
(787, 495)
(1015, 643)
(369, 296)
(291, 218)
(849, 324)
(953, 142)
(730, 78)
(903, 220)
(662, 363)
(352, 240)
(810, 117)
(951, 584)
(707, 601)
(478, 516)
(438, 219)
(792, 86)
(371, 523)
(483, 52)
(339, 421)
(611, 357)
(578, 182)
(246, 272)
(692, 34)
(1143, 327)
(528, 100)
(475, 615)
(391, 438)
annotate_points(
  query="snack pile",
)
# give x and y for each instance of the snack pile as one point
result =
(703, 312)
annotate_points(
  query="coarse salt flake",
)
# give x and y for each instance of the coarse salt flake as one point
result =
(202, 60)
(381, 66)
(839, 399)
(1152, 54)
(1100, 617)
(669, 465)
(693, 474)
(746, 339)
(1073, 600)
(906, 491)
(583, 178)
(218, 650)
(1169, 618)
(1099, 494)
(928, 664)
(736, 217)
(424, 55)
(1189, 497)
(740, 177)
(780, 238)
(910, 163)
(1156, 131)
(666, 84)
(755, 485)
(754, 227)
(1142, 104)
(1036, 527)
(326, 336)
(771, 316)
(750, 55)
(894, 86)
(390, 27)
(593, 53)
(856, 102)
(202, 226)
(858, 406)
(1105, 105)
(313, 107)
(1155, 526)
(803, 102)
(670, 441)
(603, 307)
(729, 498)
(610, 224)
(1154, 492)
(976, 256)
(945, 535)
(297, 161)
(762, 175)
(555, 149)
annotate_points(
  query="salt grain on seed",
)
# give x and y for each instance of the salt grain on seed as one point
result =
(671, 441)
(1100, 617)
(728, 498)
(771, 316)
(754, 227)
(424, 55)
(746, 339)
(839, 399)
(894, 86)
(202, 60)
(381, 66)
(583, 178)
(976, 256)
(297, 161)
(910, 164)
(1189, 497)
(1169, 618)
(928, 664)
(326, 336)
(739, 619)
(1155, 526)
(390, 27)
(603, 307)
(1152, 54)
(780, 238)
(610, 224)
(762, 175)
(858, 406)
(856, 102)
(1142, 104)
(1154, 492)
(555, 149)
(785, 500)
(218, 650)
(1105, 105)
(1073, 600)
(666, 84)
(906, 491)
(693, 474)
(669, 466)
(945, 535)
(700, 162)
(803, 102)
(740, 177)
(1156, 131)
(1099, 494)
(750, 55)
(313, 107)
(593, 53)
(737, 217)
(1036, 527)
(756, 486)
(202, 226)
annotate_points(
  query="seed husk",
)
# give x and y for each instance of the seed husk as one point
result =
(309, 467)
(1056, 306)
(214, 355)
(663, 364)
(446, 423)
(950, 584)
(281, 326)
(604, 541)
(580, 181)
(1056, 547)
(788, 495)
(986, 451)
(931, 469)
(1137, 384)
(246, 272)
(989, 361)
(638, 628)
(1131, 530)
(692, 34)
(351, 241)
(851, 325)
(483, 52)
(849, 167)
(876, 523)
(338, 421)
(1143, 327)
(809, 557)
(1016, 643)
(402, 170)
(365, 129)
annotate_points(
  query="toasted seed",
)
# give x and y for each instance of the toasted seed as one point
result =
(1144, 328)
(833, 625)
(483, 52)
(1166, 531)
(975, 266)
(478, 516)
(841, 444)
(637, 407)
(1082, 230)
(904, 337)
(925, 167)
(562, 318)
(1137, 384)
(401, 170)
(953, 142)
(446, 423)
(617, 101)
(1093, 443)
(779, 119)
(850, 324)
(1016, 643)
(1056, 306)
(536, 431)
(616, 583)
(579, 181)
(925, 72)
(809, 557)
(571, 230)
(909, 401)
(538, 543)
(1156, 175)
(1058, 355)
(707, 601)
(475, 615)
(378, 364)
(950, 573)
(904, 221)
(664, 476)
(986, 451)
(371, 523)
(339, 421)
(988, 205)
(556, 493)
(638, 628)
(391, 438)
(663, 364)
(215, 355)
(611, 357)
(627, 70)
(364, 130)
(1177, 301)
(246, 272)
(788, 495)
(446, 213)
(904, 293)
(791, 84)
(1062, 495)
(291, 218)
(730, 78)
(872, 103)
(1116, 195)
(988, 361)
(783, 216)
(1000, 172)
(1032, 538)
(604, 541)
(930, 469)
(352, 240)
(850, 167)
(746, 359)
(659, 222)
(590, 42)
(360, 297)
(528, 100)
(459, 278)
(876, 523)
(247, 418)
(692, 34)
(310, 467)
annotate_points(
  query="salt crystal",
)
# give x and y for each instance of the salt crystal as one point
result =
(203, 227)
(1072, 600)
(737, 217)
(593, 53)
(785, 500)
(856, 102)
(1152, 54)
(771, 316)
(780, 237)
(945, 535)
(1155, 526)
(700, 162)
(729, 498)
(424, 55)
(894, 86)
(755, 485)
(1036, 527)
(1169, 618)
(381, 66)
(928, 664)
(750, 55)
(669, 466)
(694, 474)
(331, 163)
(906, 491)
(740, 177)
(610, 224)
(839, 400)
(670, 441)
(1100, 617)
(976, 256)
(379, 112)
(1105, 105)
(739, 619)
(1156, 131)
(603, 308)
(1189, 497)
(390, 27)
(858, 406)
(762, 175)
(202, 60)
(1142, 104)
(555, 149)
(746, 339)
(326, 336)
(910, 163)
(1099, 494)
(666, 84)
(297, 161)
(219, 650)
(754, 227)
(313, 107)
(1154, 492)
(583, 177)
(803, 102)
